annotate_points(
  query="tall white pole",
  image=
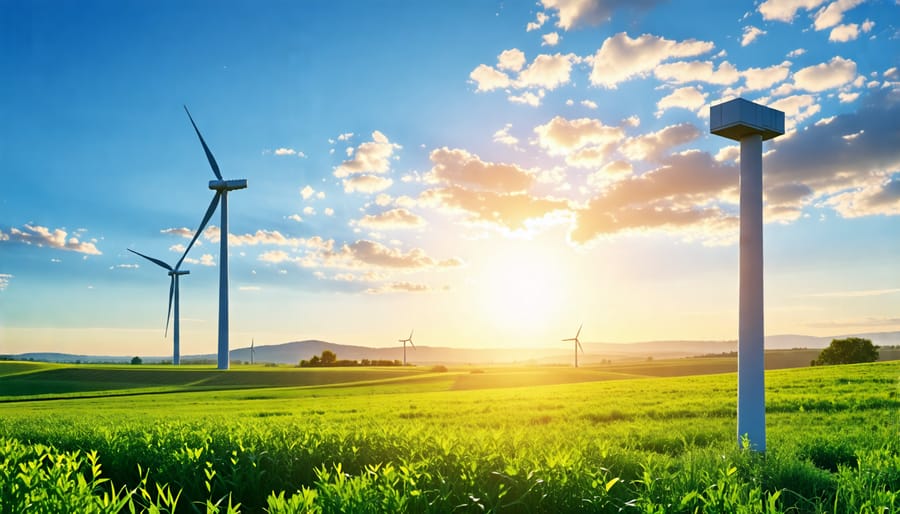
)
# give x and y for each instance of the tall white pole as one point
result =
(751, 418)
(223, 285)
(176, 351)
(751, 124)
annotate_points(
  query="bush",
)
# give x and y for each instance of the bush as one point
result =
(852, 350)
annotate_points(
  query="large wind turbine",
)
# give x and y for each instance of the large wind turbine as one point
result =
(404, 341)
(173, 294)
(221, 187)
(577, 343)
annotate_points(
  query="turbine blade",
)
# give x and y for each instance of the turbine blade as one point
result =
(411, 343)
(579, 331)
(569, 339)
(209, 212)
(579, 345)
(410, 334)
(169, 311)
(209, 155)
(151, 259)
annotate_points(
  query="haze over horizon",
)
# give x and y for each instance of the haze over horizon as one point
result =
(487, 174)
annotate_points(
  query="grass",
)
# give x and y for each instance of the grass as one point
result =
(497, 440)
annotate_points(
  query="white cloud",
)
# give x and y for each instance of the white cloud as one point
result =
(820, 77)
(539, 21)
(460, 167)
(797, 52)
(681, 72)
(329, 211)
(290, 151)
(551, 39)
(512, 59)
(52, 238)
(785, 10)
(527, 98)
(370, 157)
(309, 210)
(295, 217)
(487, 78)
(392, 219)
(504, 137)
(183, 232)
(590, 104)
(750, 34)
(654, 145)
(205, 260)
(345, 136)
(573, 13)
(307, 192)
(833, 14)
(366, 184)
(762, 78)
(689, 98)
(547, 71)
(621, 57)
(843, 33)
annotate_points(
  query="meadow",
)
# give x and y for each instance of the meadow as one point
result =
(631, 438)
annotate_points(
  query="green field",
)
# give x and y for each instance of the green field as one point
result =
(627, 438)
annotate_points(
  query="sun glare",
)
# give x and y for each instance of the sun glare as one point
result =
(523, 288)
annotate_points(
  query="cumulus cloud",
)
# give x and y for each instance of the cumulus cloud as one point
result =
(844, 33)
(52, 238)
(750, 34)
(785, 10)
(833, 13)
(621, 57)
(369, 157)
(511, 211)
(539, 21)
(512, 60)
(547, 71)
(290, 151)
(858, 169)
(574, 13)
(681, 72)
(676, 196)
(820, 77)
(504, 137)
(205, 260)
(561, 136)
(366, 184)
(763, 78)
(307, 192)
(654, 145)
(460, 167)
(392, 219)
(488, 78)
(689, 98)
(551, 39)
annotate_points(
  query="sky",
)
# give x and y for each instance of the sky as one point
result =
(490, 174)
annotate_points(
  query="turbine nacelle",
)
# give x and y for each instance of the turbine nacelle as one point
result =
(179, 272)
(228, 185)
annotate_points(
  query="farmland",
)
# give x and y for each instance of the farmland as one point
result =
(634, 438)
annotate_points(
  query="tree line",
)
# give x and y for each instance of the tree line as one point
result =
(329, 359)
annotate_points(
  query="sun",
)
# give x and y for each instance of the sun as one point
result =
(522, 287)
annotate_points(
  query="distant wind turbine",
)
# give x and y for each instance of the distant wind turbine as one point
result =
(221, 187)
(173, 294)
(252, 350)
(404, 341)
(577, 343)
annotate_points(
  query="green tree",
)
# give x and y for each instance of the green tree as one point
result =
(848, 351)
(328, 358)
(136, 361)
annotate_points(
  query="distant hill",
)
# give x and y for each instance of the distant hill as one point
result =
(293, 352)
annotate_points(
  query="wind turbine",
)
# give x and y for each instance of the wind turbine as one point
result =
(404, 341)
(252, 350)
(221, 187)
(173, 293)
(577, 343)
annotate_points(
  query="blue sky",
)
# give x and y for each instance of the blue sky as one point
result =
(490, 174)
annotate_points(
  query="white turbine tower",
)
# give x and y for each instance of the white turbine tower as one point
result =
(404, 341)
(221, 187)
(577, 343)
(173, 294)
(751, 124)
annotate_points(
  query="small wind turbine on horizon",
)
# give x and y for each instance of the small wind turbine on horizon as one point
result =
(577, 343)
(252, 350)
(221, 187)
(404, 341)
(173, 294)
